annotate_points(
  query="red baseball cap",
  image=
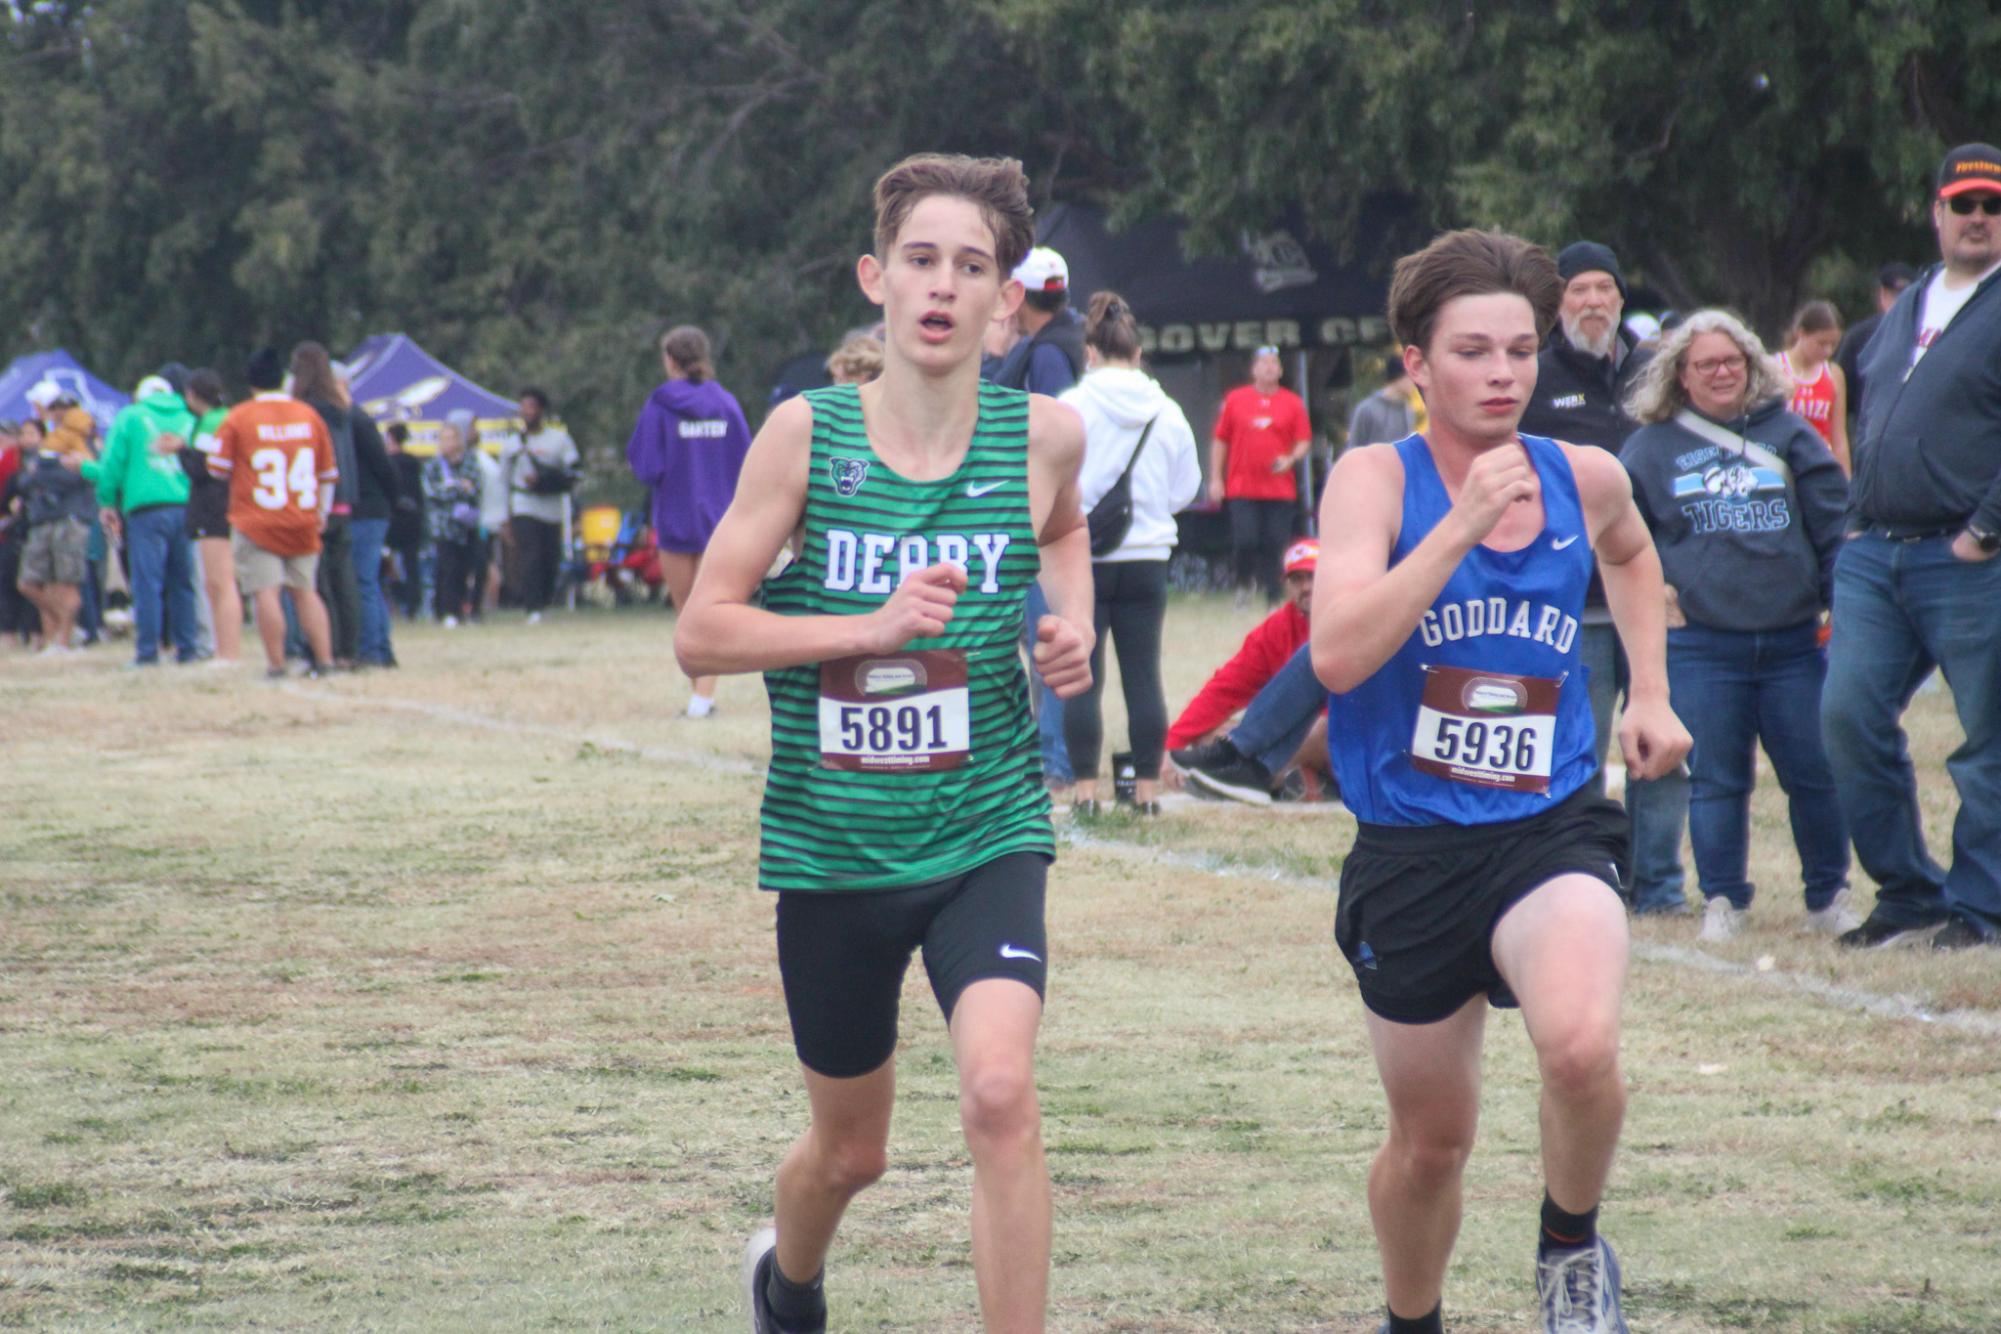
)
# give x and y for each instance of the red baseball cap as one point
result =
(1302, 556)
(1970, 167)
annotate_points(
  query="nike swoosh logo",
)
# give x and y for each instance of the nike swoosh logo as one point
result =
(974, 490)
(1559, 543)
(1010, 952)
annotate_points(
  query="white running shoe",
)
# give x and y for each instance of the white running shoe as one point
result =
(756, 1263)
(1836, 919)
(451, 622)
(534, 618)
(1720, 920)
(1579, 1289)
(700, 706)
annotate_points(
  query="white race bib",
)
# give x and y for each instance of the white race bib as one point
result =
(902, 713)
(1488, 729)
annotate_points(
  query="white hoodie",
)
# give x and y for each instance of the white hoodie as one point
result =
(1116, 403)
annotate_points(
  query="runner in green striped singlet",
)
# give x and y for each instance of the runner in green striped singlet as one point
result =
(905, 808)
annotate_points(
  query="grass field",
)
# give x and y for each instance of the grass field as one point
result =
(442, 999)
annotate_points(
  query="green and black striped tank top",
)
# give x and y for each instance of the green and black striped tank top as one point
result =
(911, 767)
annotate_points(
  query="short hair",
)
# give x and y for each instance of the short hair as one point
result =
(1656, 393)
(312, 374)
(688, 348)
(205, 385)
(1470, 263)
(1046, 302)
(1109, 326)
(1896, 275)
(1812, 318)
(996, 185)
(857, 360)
(541, 398)
(398, 432)
(264, 369)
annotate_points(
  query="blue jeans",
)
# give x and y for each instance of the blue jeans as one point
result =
(1899, 609)
(1733, 689)
(1658, 809)
(368, 535)
(163, 571)
(1048, 708)
(1276, 721)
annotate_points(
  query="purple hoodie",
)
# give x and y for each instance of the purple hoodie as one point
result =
(688, 446)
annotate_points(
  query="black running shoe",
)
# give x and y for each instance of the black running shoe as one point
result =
(1875, 934)
(1210, 755)
(1242, 780)
(1959, 933)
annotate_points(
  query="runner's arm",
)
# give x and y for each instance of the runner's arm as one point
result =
(1065, 637)
(721, 631)
(1363, 607)
(1651, 738)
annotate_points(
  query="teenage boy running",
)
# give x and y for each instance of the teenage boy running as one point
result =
(905, 804)
(1445, 622)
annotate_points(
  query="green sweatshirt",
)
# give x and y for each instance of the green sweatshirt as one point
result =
(133, 474)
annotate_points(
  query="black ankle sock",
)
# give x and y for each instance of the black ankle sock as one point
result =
(1564, 1230)
(1434, 1323)
(796, 1305)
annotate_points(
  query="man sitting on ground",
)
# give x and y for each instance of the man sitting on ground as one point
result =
(1283, 730)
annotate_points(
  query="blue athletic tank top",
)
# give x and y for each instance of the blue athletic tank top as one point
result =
(1483, 715)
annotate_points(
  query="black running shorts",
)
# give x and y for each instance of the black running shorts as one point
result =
(842, 955)
(1419, 902)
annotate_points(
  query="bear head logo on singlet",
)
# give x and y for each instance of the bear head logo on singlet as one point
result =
(848, 474)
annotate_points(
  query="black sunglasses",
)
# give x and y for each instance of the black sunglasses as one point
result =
(1964, 205)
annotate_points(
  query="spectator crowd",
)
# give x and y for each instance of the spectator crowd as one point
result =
(1827, 513)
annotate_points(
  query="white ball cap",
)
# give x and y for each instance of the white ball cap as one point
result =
(44, 392)
(1043, 270)
(152, 387)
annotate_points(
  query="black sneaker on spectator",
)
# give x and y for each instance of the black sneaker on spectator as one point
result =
(1210, 755)
(1960, 934)
(1875, 933)
(1243, 779)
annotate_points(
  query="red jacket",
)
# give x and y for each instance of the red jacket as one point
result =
(1266, 648)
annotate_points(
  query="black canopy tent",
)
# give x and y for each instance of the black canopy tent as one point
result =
(1202, 318)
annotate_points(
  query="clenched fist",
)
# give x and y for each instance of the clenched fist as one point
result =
(1063, 656)
(920, 608)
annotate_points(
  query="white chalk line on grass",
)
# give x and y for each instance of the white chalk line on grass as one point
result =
(1830, 993)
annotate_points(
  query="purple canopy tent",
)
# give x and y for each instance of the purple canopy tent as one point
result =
(394, 380)
(93, 395)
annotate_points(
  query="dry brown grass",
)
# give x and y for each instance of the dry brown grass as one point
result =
(442, 999)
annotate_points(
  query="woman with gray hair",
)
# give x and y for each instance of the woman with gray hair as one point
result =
(1745, 503)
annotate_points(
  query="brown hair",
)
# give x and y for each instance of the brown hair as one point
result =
(857, 360)
(688, 348)
(996, 185)
(313, 377)
(1109, 327)
(1470, 263)
(1812, 318)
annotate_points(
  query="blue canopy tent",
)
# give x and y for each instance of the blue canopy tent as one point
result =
(394, 380)
(93, 395)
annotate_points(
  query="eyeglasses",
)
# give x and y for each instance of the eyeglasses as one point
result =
(1964, 205)
(1717, 366)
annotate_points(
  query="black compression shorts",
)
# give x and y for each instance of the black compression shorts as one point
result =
(1419, 903)
(842, 955)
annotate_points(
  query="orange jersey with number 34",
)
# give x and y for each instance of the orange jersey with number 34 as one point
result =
(274, 452)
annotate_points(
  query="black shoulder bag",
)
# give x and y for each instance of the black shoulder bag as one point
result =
(1112, 517)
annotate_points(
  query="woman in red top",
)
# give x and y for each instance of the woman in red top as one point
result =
(1820, 390)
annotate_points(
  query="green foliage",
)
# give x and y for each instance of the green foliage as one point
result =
(536, 189)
